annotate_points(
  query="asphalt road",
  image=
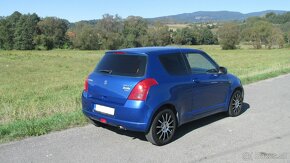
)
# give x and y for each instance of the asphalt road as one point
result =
(260, 134)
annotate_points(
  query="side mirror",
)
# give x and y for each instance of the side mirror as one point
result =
(223, 70)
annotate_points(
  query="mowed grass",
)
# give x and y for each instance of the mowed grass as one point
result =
(40, 90)
(251, 65)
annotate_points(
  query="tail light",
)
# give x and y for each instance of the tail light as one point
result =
(86, 85)
(119, 52)
(140, 91)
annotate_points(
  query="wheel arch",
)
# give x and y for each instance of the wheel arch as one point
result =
(232, 90)
(240, 88)
(162, 107)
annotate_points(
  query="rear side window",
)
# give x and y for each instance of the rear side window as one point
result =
(174, 64)
(123, 65)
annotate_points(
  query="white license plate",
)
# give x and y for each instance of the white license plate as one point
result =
(104, 109)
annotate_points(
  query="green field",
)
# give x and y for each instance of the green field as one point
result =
(40, 90)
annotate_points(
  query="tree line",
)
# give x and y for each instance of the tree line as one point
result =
(29, 31)
(268, 31)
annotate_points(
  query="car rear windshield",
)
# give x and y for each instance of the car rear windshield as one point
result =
(123, 65)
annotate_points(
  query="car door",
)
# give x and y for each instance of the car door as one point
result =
(179, 80)
(209, 86)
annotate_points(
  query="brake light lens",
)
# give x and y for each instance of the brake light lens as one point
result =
(86, 85)
(119, 52)
(140, 91)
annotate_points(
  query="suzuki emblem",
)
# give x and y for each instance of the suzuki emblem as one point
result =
(105, 82)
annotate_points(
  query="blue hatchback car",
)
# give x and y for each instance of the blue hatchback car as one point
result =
(156, 89)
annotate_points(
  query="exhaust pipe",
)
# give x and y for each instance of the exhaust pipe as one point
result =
(122, 128)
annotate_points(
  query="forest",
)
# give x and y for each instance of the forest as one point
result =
(31, 32)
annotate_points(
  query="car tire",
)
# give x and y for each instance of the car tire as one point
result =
(236, 103)
(163, 128)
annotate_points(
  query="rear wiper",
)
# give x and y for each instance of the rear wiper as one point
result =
(106, 71)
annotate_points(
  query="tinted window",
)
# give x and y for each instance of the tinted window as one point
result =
(174, 64)
(200, 64)
(121, 64)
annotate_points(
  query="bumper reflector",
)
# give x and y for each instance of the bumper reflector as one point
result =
(103, 120)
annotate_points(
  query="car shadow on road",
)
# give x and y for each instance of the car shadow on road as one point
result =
(182, 130)
(188, 127)
(132, 134)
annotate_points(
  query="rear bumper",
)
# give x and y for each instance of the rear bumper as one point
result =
(133, 115)
(133, 126)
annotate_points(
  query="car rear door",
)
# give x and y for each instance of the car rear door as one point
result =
(115, 77)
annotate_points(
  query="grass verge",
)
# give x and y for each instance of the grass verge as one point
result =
(39, 126)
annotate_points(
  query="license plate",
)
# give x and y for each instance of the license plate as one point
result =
(104, 109)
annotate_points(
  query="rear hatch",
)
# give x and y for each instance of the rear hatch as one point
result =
(115, 76)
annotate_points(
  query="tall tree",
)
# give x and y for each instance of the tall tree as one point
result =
(286, 30)
(184, 36)
(110, 30)
(6, 41)
(157, 35)
(278, 19)
(85, 37)
(204, 36)
(229, 36)
(134, 28)
(52, 32)
(258, 33)
(26, 30)
(7, 30)
(275, 38)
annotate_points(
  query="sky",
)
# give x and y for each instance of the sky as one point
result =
(76, 10)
